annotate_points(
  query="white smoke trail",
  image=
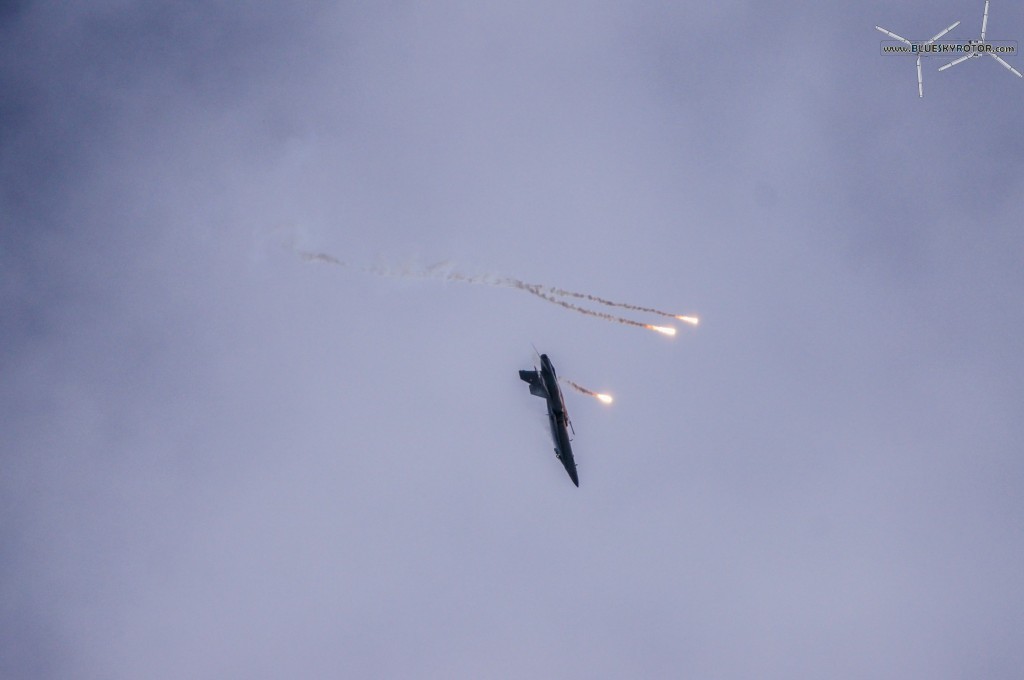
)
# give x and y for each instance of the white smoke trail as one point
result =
(442, 271)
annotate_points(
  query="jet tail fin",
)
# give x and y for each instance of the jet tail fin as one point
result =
(536, 388)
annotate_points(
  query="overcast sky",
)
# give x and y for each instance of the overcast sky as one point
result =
(220, 461)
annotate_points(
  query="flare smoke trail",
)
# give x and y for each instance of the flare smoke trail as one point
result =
(545, 293)
(321, 257)
(536, 290)
(603, 398)
(622, 305)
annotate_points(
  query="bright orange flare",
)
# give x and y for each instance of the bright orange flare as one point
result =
(603, 398)
(692, 320)
(665, 330)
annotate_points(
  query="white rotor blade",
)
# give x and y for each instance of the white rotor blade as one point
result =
(954, 63)
(943, 33)
(1001, 61)
(920, 80)
(893, 35)
(984, 22)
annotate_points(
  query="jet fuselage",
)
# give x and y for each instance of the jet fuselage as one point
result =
(544, 383)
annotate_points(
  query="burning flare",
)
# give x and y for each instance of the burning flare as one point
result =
(603, 398)
(692, 320)
(664, 330)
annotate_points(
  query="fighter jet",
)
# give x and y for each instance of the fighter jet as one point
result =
(544, 383)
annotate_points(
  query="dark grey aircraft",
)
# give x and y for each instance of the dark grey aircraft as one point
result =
(544, 383)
